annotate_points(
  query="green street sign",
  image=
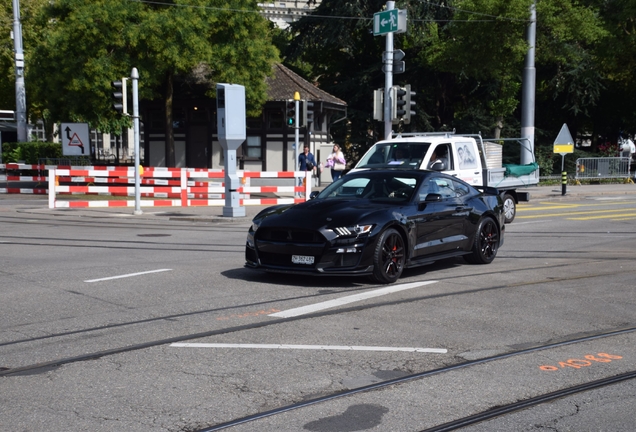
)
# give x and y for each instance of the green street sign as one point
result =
(389, 21)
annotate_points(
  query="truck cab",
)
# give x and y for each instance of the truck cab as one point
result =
(456, 156)
(463, 156)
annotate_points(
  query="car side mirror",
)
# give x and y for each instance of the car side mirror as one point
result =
(438, 166)
(313, 194)
(430, 198)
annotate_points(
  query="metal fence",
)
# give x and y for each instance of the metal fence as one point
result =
(69, 161)
(602, 168)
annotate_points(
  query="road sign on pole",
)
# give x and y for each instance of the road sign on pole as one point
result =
(75, 139)
(564, 143)
(389, 21)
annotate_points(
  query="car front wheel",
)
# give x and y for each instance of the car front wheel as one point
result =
(486, 243)
(389, 257)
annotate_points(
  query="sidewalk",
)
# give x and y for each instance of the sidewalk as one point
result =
(39, 205)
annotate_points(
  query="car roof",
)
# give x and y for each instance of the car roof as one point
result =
(393, 172)
(424, 138)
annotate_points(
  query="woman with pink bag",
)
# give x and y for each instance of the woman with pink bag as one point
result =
(336, 161)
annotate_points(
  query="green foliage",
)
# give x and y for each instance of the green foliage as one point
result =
(30, 152)
(466, 61)
(77, 47)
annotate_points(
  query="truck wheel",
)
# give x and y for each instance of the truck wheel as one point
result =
(509, 208)
(389, 257)
(485, 244)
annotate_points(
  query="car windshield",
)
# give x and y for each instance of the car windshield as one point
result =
(372, 185)
(395, 155)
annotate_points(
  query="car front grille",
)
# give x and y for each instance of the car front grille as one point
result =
(289, 235)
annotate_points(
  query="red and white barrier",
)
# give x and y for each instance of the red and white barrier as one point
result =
(188, 192)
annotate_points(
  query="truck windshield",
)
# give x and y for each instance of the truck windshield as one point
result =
(395, 155)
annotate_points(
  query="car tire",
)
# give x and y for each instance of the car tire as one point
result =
(485, 244)
(509, 208)
(389, 257)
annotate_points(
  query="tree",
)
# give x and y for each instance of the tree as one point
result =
(86, 44)
(615, 111)
(492, 62)
(29, 9)
(464, 60)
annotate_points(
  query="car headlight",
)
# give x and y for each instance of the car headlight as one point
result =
(255, 225)
(355, 230)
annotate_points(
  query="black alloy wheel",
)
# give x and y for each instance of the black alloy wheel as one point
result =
(389, 257)
(486, 243)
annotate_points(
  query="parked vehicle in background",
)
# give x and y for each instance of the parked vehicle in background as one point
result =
(478, 162)
(378, 222)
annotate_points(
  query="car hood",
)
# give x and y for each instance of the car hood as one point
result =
(324, 213)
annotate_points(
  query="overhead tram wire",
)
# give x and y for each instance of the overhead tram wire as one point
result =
(493, 17)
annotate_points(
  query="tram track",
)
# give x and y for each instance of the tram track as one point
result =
(255, 325)
(568, 259)
(315, 296)
(530, 402)
(467, 420)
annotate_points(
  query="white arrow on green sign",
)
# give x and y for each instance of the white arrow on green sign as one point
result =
(389, 21)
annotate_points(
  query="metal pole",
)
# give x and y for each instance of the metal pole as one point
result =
(135, 94)
(528, 89)
(296, 134)
(20, 92)
(564, 176)
(388, 78)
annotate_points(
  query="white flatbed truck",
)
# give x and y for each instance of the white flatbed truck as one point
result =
(477, 161)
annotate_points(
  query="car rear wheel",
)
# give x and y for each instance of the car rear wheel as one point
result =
(509, 208)
(389, 257)
(486, 243)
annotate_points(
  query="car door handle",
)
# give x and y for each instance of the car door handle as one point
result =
(462, 208)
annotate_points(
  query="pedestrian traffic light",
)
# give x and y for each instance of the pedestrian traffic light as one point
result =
(290, 111)
(119, 96)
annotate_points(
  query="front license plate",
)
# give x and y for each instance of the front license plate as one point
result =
(302, 259)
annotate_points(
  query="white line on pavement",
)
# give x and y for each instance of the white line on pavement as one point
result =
(127, 275)
(309, 347)
(349, 299)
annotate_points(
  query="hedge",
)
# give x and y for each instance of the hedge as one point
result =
(30, 152)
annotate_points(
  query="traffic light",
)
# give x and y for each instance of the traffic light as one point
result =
(409, 104)
(397, 104)
(119, 96)
(401, 104)
(307, 111)
(290, 113)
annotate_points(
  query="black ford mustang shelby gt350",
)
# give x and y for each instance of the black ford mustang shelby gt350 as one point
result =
(378, 223)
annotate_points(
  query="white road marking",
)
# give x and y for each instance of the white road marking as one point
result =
(309, 347)
(127, 275)
(346, 300)
(528, 223)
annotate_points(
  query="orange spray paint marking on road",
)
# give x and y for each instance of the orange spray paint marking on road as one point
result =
(580, 363)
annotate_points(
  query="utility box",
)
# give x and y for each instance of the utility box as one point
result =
(230, 108)
(231, 127)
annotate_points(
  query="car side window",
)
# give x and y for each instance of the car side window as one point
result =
(447, 188)
(461, 189)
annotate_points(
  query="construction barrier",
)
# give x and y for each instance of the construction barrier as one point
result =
(187, 186)
(602, 168)
(188, 192)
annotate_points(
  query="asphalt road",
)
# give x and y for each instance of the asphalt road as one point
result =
(99, 311)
